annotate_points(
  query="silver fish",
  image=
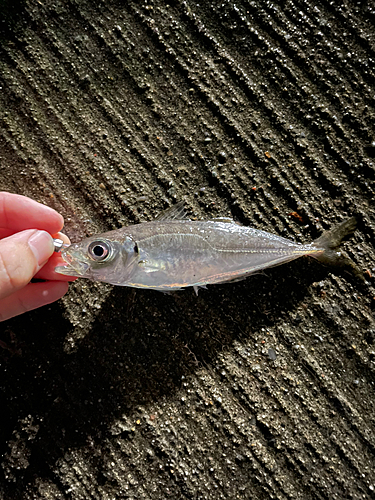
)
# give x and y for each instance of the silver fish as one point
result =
(174, 252)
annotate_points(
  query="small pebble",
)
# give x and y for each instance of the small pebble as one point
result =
(272, 354)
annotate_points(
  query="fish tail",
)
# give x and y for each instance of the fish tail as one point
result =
(330, 241)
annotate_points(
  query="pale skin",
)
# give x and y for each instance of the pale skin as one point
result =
(27, 229)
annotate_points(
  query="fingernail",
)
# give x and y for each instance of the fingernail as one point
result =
(41, 244)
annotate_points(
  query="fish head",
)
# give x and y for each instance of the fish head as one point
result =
(100, 258)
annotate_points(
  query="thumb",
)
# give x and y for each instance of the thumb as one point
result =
(21, 257)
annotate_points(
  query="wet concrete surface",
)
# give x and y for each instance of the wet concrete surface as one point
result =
(264, 389)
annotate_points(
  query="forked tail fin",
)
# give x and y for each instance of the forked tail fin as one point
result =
(330, 240)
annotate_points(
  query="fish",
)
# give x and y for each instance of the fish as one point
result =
(173, 252)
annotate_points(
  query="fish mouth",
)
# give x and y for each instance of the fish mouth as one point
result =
(72, 267)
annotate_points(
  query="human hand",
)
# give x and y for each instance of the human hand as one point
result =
(27, 251)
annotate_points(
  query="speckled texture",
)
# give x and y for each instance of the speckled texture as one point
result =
(262, 111)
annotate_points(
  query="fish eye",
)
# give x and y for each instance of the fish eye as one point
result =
(99, 250)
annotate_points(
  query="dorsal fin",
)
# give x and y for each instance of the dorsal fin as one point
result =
(225, 219)
(176, 212)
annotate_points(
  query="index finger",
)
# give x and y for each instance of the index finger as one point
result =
(19, 212)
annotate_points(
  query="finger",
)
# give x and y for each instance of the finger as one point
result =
(21, 257)
(32, 296)
(18, 213)
(48, 270)
(62, 236)
(4, 233)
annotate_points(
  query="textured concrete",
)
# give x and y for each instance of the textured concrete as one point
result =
(264, 389)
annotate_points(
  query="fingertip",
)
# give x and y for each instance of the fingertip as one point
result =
(17, 262)
(54, 290)
(63, 237)
(47, 272)
(46, 292)
(59, 219)
(41, 244)
(18, 213)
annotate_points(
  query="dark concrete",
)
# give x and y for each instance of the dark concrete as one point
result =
(112, 111)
